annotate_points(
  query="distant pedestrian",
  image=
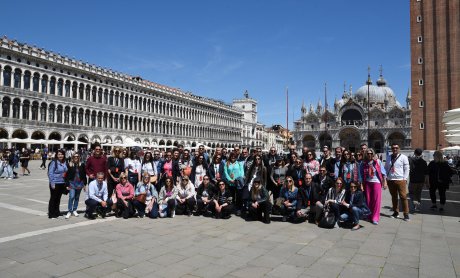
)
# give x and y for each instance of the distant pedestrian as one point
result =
(418, 178)
(440, 174)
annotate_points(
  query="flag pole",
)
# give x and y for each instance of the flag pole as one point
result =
(287, 117)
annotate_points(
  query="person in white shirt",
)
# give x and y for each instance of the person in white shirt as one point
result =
(397, 168)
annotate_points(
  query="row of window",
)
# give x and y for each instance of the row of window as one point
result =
(79, 116)
(42, 83)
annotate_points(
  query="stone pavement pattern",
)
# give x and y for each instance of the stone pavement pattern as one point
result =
(31, 245)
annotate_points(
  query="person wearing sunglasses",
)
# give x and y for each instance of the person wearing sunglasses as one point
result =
(185, 198)
(397, 169)
(167, 199)
(97, 197)
(256, 171)
(334, 198)
(353, 206)
(259, 203)
(146, 198)
(222, 205)
(204, 196)
(75, 180)
(125, 196)
(373, 179)
(287, 202)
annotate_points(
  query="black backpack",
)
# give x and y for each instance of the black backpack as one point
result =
(328, 221)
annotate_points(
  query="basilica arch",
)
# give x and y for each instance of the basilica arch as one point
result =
(397, 138)
(350, 139)
(377, 141)
(309, 141)
(325, 139)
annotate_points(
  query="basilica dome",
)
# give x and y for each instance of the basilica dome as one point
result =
(378, 94)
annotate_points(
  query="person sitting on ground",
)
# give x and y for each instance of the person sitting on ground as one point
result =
(353, 206)
(287, 202)
(222, 206)
(204, 196)
(335, 196)
(125, 195)
(146, 198)
(259, 202)
(167, 198)
(97, 197)
(185, 198)
(306, 198)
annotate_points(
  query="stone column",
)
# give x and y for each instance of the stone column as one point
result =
(40, 85)
(1, 76)
(20, 110)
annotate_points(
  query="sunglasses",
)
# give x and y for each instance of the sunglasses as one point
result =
(289, 180)
(123, 178)
(338, 183)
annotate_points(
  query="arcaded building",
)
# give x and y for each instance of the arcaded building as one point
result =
(435, 68)
(44, 95)
(354, 120)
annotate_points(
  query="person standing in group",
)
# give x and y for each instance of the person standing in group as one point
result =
(278, 176)
(56, 174)
(75, 181)
(234, 175)
(348, 170)
(133, 168)
(397, 169)
(418, 178)
(439, 175)
(168, 168)
(216, 169)
(97, 163)
(373, 180)
(311, 165)
(199, 170)
(115, 166)
(97, 197)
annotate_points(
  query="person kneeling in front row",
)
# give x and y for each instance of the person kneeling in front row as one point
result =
(259, 202)
(97, 197)
(222, 204)
(354, 206)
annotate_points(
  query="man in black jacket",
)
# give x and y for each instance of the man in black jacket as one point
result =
(418, 177)
(307, 197)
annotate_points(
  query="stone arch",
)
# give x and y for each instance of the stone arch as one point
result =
(377, 141)
(55, 135)
(396, 137)
(83, 138)
(20, 134)
(95, 139)
(309, 141)
(325, 139)
(37, 135)
(3, 133)
(350, 138)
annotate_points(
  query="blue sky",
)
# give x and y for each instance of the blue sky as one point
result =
(220, 49)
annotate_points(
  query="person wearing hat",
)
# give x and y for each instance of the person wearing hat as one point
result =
(277, 176)
(418, 177)
(259, 202)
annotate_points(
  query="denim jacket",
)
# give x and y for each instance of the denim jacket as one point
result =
(57, 172)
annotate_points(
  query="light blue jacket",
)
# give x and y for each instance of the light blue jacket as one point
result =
(56, 172)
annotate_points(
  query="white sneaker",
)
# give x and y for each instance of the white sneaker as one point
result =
(75, 213)
(67, 216)
(162, 215)
(173, 214)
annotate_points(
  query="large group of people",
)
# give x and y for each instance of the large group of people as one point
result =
(331, 190)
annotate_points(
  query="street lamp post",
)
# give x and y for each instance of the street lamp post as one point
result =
(369, 82)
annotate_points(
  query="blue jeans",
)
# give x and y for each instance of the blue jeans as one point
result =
(74, 196)
(353, 215)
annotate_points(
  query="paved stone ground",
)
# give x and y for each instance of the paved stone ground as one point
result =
(31, 245)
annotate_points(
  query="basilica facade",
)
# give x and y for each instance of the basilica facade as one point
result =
(371, 115)
(44, 95)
